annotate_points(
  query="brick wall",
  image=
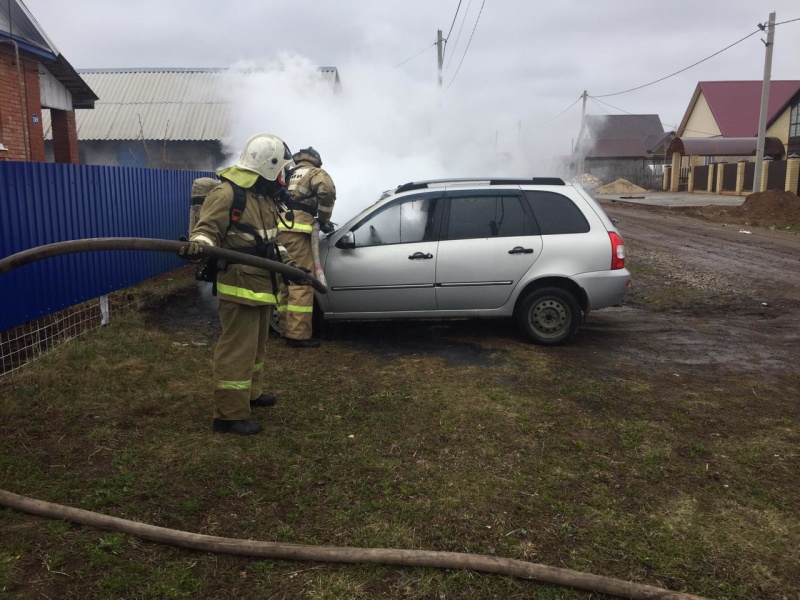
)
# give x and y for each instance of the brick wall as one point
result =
(11, 133)
(65, 136)
(21, 113)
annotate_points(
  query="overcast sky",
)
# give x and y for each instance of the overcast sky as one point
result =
(497, 109)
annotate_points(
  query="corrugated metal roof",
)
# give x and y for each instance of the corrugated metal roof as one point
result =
(159, 104)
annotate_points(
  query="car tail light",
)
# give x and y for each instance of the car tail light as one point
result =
(617, 251)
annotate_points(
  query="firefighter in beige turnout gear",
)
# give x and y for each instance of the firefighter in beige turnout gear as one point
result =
(246, 294)
(312, 196)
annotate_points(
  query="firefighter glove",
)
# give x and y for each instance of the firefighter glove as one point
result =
(327, 227)
(301, 280)
(192, 252)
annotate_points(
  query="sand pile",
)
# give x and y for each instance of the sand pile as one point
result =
(620, 186)
(587, 180)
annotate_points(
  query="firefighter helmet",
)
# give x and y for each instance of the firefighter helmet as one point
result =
(308, 154)
(268, 155)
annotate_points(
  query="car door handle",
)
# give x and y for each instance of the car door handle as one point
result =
(420, 255)
(521, 250)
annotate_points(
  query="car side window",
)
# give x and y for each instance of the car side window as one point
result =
(409, 221)
(485, 215)
(555, 213)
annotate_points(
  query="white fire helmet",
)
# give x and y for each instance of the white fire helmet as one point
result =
(267, 155)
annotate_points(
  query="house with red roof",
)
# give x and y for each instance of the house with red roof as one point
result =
(720, 127)
(731, 110)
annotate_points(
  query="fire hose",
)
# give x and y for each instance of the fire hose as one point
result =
(285, 551)
(34, 254)
(382, 556)
(318, 272)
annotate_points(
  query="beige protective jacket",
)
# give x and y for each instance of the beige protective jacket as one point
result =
(240, 283)
(308, 180)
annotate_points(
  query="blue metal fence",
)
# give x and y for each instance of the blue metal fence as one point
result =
(42, 203)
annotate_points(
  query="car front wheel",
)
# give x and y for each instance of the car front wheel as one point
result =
(549, 316)
(274, 324)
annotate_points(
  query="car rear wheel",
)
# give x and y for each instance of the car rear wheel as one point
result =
(549, 316)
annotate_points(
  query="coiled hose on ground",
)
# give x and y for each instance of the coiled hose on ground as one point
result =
(282, 551)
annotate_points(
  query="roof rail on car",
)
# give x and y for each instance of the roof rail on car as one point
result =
(418, 185)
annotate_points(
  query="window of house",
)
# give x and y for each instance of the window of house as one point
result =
(794, 129)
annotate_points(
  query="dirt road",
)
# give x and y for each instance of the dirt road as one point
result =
(705, 293)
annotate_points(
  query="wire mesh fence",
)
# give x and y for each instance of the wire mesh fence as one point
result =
(24, 344)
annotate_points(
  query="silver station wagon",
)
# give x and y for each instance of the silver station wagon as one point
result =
(540, 251)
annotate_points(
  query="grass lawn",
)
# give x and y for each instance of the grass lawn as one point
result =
(525, 453)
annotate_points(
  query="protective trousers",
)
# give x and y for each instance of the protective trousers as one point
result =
(297, 301)
(239, 358)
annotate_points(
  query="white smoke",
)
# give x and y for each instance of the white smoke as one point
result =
(382, 129)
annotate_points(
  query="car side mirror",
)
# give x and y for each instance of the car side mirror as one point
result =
(347, 241)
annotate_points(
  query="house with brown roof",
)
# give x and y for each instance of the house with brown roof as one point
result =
(613, 146)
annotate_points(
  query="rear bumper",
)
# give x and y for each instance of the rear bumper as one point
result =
(604, 288)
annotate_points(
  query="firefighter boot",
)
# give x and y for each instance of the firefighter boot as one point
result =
(239, 427)
(263, 400)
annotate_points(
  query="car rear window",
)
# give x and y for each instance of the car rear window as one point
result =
(483, 216)
(555, 213)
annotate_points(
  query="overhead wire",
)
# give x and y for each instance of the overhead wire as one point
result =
(458, 36)
(416, 55)
(468, 44)
(447, 37)
(675, 127)
(682, 70)
(596, 98)
(553, 118)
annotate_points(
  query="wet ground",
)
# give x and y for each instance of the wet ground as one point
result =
(705, 293)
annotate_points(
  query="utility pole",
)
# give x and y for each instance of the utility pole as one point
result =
(579, 144)
(762, 120)
(439, 48)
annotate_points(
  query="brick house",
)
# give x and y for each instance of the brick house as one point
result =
(35, 77)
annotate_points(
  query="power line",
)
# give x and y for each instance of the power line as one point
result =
(682, 70)
(468, 43)
(790, 21)
(447, 37)
(460, 29)
(553, 118)
(416, 55)
(675, 127)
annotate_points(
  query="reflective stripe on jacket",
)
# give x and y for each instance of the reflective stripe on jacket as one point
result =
(236, 282)
(308, 180)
